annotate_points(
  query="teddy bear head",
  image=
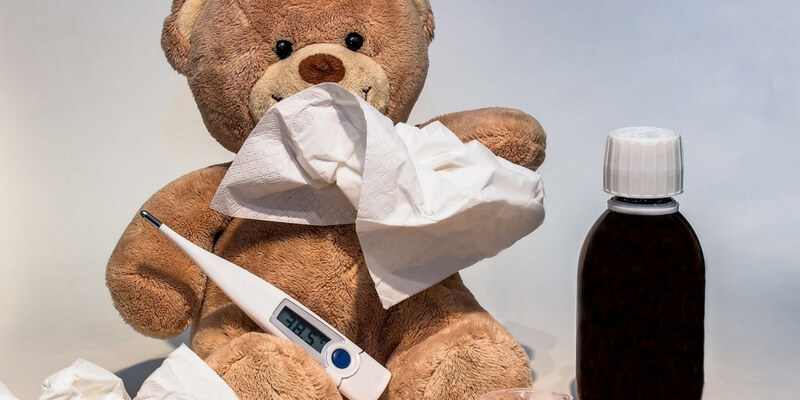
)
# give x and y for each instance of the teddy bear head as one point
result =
(241, 57)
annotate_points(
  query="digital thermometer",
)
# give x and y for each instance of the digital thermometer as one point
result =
(357, 375)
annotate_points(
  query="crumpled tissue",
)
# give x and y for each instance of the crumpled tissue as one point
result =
(5, 394)
(425, 205)
(83, 380)
(182, 376)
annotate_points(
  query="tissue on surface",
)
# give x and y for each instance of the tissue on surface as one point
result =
(184, 376)
(5, 394)
(83, 380)
(425, 205)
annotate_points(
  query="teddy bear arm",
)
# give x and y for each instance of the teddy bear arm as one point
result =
(154, 286)
(511, 134)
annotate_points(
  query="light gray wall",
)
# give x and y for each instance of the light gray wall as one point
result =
(93, 121)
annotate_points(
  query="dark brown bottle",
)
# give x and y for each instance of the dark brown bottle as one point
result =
(641, 294)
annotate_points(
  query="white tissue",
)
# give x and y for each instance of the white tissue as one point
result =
(83, 380)
(425, 204)
(184, 376)
(5, 394)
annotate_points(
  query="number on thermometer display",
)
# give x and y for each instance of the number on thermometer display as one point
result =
(304, 330)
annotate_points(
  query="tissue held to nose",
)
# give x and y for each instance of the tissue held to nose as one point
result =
(425, 205)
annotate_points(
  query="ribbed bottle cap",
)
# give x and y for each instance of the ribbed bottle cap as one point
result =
(643, 163)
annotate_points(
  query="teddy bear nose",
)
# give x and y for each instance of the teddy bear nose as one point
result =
(320, 68)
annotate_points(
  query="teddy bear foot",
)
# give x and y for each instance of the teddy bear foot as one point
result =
(260, 366)
(461, 362)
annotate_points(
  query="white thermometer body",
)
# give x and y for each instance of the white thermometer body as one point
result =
(357, 375)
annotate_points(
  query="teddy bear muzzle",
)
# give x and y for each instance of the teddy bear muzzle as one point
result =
(320, 68)
(315, 64)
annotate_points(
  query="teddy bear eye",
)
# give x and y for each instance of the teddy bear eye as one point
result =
(354, 41)
(283, 49)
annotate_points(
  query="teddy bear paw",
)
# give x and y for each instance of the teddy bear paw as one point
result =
(263, 366)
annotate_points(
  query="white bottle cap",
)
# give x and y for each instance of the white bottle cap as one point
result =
(643, 163)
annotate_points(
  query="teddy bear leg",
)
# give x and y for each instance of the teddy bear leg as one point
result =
(463, 361)
(260, 366)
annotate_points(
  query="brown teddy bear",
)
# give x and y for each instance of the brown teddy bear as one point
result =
(240, 58)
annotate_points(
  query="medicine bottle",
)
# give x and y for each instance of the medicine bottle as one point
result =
(641, 279)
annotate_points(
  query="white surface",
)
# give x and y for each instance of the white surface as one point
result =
(422, 201)
(93, 121)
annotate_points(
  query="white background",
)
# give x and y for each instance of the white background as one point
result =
(93, 121)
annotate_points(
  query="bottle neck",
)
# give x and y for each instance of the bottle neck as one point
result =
(627, 205)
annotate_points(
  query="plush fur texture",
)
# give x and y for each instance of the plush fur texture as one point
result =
(438, 344)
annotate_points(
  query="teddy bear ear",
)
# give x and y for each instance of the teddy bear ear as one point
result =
(426, 16)
(177, 31)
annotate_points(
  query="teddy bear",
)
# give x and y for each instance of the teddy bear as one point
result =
(240, 58)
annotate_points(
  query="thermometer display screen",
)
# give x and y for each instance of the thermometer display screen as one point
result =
(305, 331)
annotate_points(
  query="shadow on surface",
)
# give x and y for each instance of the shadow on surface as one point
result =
(177, 341)
(134, 376)
(538, 345)
(530, 352)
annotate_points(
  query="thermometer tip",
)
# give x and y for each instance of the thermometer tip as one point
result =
(150, 218)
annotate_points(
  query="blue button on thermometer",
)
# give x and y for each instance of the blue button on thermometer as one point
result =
(357, 375)
(340, 358)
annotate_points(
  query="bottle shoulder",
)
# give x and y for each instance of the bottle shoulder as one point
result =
(618, 235)
(638, 224)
